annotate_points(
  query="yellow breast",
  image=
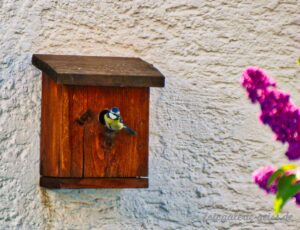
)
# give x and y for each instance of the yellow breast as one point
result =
(113, 124)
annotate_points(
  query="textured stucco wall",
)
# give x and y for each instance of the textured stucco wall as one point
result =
(205, 138)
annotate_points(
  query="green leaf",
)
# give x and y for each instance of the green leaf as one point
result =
(298, 61)
(279, 172)
(286, 189)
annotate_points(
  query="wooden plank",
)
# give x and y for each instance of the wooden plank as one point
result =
(50, 127)
(121, 155)
(55, 183)
(99, 71)
(94, 156)
(74, 100)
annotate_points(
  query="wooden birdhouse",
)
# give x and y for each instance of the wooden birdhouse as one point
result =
(77, 150)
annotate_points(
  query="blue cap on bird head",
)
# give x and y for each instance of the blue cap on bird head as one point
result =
(115, 110)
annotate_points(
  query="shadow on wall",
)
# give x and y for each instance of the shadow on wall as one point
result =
(58, 203)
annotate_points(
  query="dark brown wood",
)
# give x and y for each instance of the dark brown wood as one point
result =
(99, 71)
(56, 182)
(120, 154)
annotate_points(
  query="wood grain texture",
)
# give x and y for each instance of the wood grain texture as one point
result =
(61, 135)
(119, 155)
(74, 103)
(56, 182)
(85, 149)
(99, 71)
(50, 127)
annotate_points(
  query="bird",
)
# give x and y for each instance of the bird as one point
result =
(113, 121)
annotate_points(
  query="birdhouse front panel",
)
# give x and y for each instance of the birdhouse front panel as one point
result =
(95, 125)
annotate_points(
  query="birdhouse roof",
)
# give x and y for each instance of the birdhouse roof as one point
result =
(99, 70)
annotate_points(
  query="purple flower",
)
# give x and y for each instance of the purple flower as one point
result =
(293, 152)
(277, 110)
(297, 199)
(261, 177)
(256, 81)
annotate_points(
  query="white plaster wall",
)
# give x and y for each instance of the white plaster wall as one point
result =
(205, 139)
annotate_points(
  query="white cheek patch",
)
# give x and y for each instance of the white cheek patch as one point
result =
(112, 116)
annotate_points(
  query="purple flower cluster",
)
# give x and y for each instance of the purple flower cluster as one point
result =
(261, 177)
(256, 81)
(277, 110)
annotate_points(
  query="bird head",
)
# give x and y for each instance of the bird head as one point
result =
(114, 113)
(115, 110)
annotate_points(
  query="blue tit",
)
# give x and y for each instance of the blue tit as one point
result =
(113, 120)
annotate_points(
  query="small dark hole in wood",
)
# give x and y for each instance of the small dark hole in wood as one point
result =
(84, 117)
